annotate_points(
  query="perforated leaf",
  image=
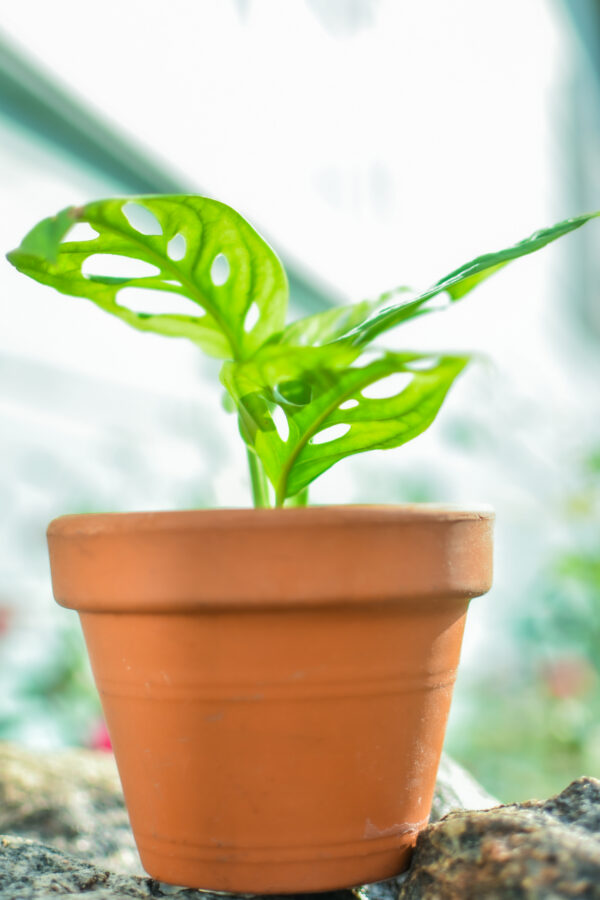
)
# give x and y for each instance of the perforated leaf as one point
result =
(199, 249)
(317, 391)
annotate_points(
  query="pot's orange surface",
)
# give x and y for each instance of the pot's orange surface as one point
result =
(276, 683)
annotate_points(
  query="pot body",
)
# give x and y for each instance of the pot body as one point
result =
(276, 683)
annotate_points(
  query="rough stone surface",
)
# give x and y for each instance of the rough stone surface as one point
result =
(456, 789)
(66, 828)
(71, 800)
(66, 832)
(33, 871)
(527, 851)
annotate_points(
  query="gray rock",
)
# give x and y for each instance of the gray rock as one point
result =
(71, 800)
(456, 789)
(527, 851)
(67, 830)
(33, 871)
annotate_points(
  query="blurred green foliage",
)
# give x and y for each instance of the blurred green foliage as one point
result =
(533, 722)
(50, 701)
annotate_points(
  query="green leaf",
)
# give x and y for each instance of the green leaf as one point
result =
(337, 381)
(44, 239)
(324, 327)
(462, 280)
(281, 376)
(253, 284)
(290, 386)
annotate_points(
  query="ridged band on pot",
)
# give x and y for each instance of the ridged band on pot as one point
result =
(276, 683)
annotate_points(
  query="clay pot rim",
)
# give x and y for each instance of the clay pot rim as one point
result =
(230, 517)
(345, 555)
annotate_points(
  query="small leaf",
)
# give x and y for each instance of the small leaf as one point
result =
(189, 239)
(324, 327)
(44, 239)
(462, 280)
(336, 377)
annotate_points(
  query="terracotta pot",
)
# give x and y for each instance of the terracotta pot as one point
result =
(276, 683)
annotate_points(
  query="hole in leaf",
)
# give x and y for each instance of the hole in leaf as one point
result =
(348, 404)
(81, 231)
(366, 358)
(423, 365)
(281, 423)
(176, 247)
(252, 317)
(156, 303)
(140, 218)
(331, 434)
(389, 386)
(219, 271)
(171, 281)
(104, 264)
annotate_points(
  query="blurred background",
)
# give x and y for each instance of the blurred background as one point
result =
(374, 143)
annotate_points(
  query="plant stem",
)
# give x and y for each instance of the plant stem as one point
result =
(258, 480)
(299, 499)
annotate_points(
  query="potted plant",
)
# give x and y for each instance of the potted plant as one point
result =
(276, 681)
